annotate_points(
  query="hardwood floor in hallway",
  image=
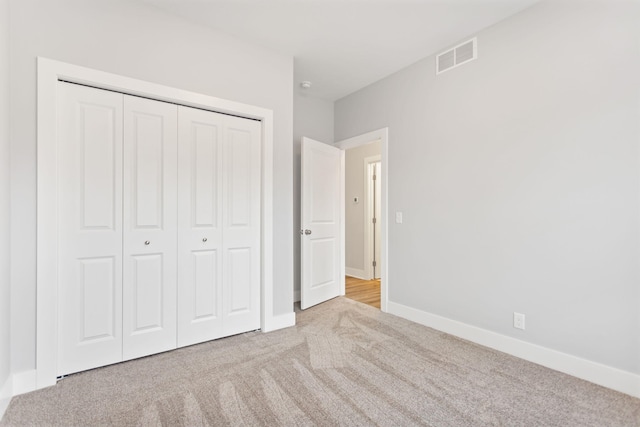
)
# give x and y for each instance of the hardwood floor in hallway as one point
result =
(364, 291)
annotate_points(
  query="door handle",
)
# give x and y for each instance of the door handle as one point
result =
(307, 232)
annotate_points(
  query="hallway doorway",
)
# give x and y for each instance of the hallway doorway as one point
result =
(365, 216)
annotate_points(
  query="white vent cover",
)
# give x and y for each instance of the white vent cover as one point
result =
(461, 54)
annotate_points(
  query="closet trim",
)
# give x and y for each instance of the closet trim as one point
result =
(50, 72)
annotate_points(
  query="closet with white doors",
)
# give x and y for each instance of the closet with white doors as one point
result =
(159, 226)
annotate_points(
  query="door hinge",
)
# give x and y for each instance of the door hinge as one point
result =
(375, 177)
(375, 264)
(374, 220)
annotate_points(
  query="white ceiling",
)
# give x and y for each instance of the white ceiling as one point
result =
(344, 45)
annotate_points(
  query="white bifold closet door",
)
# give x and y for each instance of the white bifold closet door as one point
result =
(90, 226)
(118, 250)
(218, 225)
(150, 224)
(159, 226)
(241, 228)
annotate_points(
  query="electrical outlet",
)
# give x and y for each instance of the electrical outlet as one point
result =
(518, 320)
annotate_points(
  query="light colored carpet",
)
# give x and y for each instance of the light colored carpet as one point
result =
(344, 363)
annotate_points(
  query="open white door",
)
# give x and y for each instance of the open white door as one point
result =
(321, 229)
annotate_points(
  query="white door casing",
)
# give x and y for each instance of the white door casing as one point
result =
(90, 227)
(149, 216)
(50, 173)
(322, 233)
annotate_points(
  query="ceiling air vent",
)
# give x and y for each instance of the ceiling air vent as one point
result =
(461, 54)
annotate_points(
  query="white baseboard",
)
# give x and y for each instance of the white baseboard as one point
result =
(280, 322)
(6, 393)
(606, 376)
(354, 272)
(24, 382)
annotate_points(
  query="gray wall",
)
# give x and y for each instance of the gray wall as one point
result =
(518, 175)
(139, 41)
(313, 118)
(4, 196)
(355, 186)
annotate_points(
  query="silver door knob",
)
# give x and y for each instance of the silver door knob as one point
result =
(204, 239)
(147, 242)
(307, 232)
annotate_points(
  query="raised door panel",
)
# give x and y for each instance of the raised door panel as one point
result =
(241, 225)
(96, 298)
(238, 174)
(147, 292)
(199, 226)
(204, 174)
(323, 271)
(240, 290)
(150, 224)
(90, 227)
(206, 287)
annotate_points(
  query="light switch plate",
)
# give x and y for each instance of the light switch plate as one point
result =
(518, 320)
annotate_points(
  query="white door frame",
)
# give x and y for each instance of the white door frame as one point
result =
(49, 73)
(381, 135)
(369, 213)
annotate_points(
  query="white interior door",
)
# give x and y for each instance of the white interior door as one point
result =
(199, 226)
(150, 223)
(322, 199)
(90, 226)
